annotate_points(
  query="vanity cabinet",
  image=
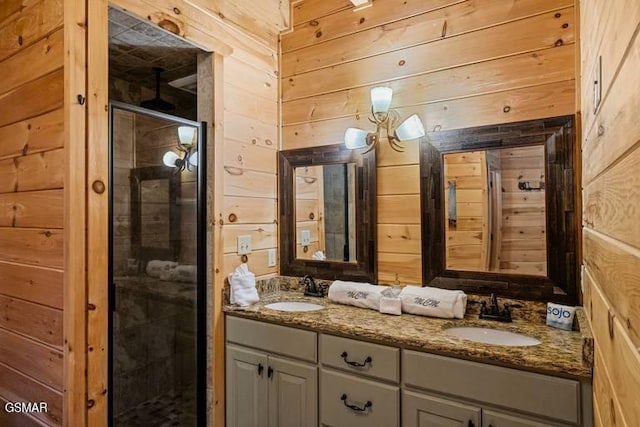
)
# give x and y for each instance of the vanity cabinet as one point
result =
(541, 399)
(266, 388)
(280, 376)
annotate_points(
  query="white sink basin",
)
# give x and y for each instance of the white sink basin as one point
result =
(294, 306)
(492, 336)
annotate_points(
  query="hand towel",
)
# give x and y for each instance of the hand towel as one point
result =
(357, 294)
(243, 286)
(390, 305)
(434, 302)
(318, 256)
(390, 302)
(156, 267)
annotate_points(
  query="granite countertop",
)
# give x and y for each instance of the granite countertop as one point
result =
(561, 353)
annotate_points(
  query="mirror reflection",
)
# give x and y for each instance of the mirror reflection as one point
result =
(495, 217)
(325, 212)
(154, 209)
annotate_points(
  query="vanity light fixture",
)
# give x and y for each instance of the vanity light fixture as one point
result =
(187, 138)
(387, 119)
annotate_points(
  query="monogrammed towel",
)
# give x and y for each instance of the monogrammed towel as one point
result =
(433, 302)
(357, 294)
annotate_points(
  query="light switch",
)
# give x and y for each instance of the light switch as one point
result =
(271, 254)
(306, 237)
(244, 245)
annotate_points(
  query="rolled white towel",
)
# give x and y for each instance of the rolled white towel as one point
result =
(156, 267)
(434, 302)
(185, 273)
(243, 286)
(357, 294)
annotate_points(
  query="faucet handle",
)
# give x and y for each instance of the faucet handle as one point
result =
(494, 300)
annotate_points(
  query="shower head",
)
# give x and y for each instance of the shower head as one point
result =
(158, 103)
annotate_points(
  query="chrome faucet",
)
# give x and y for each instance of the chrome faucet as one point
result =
(493, 312)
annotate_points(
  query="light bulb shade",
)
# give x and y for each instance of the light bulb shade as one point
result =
(381, 99)
(411, 128)
(193, 159)
(355, 138)
(170, 158)
(187, 135)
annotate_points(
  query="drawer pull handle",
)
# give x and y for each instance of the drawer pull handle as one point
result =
(355, 407)
(260, 369)
(344, 356)
(471, 424)
(269, 372)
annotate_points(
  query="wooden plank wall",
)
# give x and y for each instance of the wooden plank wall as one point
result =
(467, 240)
(523, 242)
(310, 210)
(611, 205)
(456, 63)
(32, 172)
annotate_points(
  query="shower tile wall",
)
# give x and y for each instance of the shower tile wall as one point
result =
(153, 321)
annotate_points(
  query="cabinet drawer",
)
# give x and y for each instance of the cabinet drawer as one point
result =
(548, 396)
(273, 338)
(379, 361)
(337, 390)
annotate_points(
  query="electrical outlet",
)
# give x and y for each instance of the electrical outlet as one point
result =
(306, 237)
(244, 245)
(271, 254)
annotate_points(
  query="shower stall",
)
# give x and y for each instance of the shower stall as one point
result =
(157, 325)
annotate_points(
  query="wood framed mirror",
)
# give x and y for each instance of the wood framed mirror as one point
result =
(327, 213)
(499, 210)
(154, 194)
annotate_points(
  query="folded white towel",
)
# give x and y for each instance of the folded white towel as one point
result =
(391, 305)
(434, 302)
(156, 267)
(357, 294)
(243, 286)
(185, 273)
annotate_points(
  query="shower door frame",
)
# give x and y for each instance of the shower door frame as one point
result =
(201, 259)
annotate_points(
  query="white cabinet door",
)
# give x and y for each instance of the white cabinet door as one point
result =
(246, 387)
(498, 419)
(293, 393)
(422, 410)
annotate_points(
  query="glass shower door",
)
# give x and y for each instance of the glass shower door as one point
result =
(157, 275)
